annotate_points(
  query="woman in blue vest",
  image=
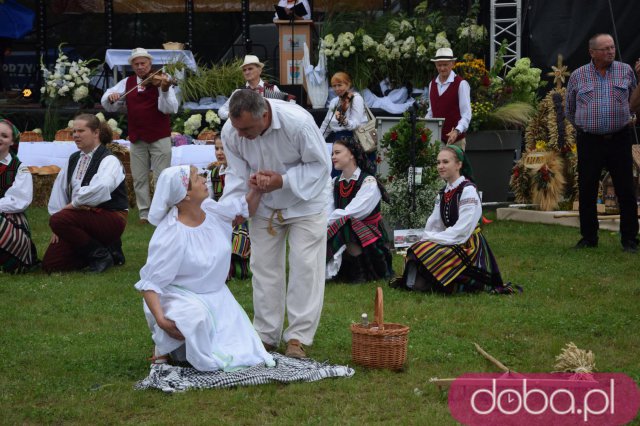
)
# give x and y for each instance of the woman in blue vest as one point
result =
(453, 256)
(357, 248)
(88, 204)
(17, 251)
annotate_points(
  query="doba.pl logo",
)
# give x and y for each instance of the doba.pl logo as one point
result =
(544, 399)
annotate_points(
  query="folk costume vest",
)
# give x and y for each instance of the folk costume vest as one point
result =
(344, 192)
(8, 174)
(450, 202)
(119, 200)
(146, 123)
(446, 106)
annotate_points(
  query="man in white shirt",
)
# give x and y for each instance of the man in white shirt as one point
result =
(450, 98)
(251, 70)
(277, 147)
(148, 107)
(88, 204)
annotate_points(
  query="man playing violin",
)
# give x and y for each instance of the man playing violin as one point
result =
(148, 98)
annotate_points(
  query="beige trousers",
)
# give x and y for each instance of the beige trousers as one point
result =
(303, 296)
(145, 156)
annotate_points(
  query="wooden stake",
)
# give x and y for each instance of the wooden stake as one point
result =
(494, 361)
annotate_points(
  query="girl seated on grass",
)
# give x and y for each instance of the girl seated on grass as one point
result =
(240, 242)
(453, 256)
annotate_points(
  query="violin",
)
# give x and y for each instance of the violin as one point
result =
(157, 78)
(343, 106)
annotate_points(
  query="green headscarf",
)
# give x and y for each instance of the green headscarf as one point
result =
(15, 133)
(466, 169)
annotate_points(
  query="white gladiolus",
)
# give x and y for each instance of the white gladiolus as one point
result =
(100, 116)
(70, 124)
(80, 93)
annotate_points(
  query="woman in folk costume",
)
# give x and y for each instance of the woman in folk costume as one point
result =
(356, 239)
(88, 204)
(453, 255)
(17, 251)
(240, 243)
(346, 111)
(191, 312)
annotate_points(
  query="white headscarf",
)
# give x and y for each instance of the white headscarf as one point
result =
(171, 189)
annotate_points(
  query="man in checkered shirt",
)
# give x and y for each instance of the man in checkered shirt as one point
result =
(597, 105)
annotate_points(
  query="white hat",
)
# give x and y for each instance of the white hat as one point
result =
(170, 190)
(139, 52)
(443, 54)
(252, 59)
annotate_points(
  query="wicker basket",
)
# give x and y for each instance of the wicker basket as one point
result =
(379, 345)
(31, 136)
(64, 135)
(208, 135)
(173, 45)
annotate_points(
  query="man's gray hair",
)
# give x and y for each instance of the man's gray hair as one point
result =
(594, 38)
(245, 100)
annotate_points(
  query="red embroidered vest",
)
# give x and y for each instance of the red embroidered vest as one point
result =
(146, 123)
(446, 106)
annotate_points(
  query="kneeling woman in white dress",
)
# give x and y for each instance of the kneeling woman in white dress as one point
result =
(191, 312)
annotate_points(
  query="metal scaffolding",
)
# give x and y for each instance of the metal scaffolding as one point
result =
(506, 24)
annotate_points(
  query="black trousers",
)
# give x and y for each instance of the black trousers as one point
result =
(612, 151)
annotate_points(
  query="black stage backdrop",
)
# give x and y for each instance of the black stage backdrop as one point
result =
(564, 27)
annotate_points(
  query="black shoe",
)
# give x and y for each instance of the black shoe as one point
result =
(630, 246)
(99, 260)
(117, 255)
(584, 243)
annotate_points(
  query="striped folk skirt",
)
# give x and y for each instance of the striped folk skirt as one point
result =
(467, 267)
(368, 234)
(240, 252)
(17, 251)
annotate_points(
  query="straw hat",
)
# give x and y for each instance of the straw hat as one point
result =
(139, 52)
(443, 54)
(252, 59)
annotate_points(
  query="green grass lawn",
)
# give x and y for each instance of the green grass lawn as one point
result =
(73, 345)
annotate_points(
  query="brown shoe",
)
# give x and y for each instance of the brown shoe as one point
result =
(268, 347)
(143, 221)
(295, 349)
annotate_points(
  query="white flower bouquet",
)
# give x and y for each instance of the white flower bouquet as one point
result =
(68, 79)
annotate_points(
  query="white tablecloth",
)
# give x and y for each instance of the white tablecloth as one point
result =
(120, 57)
(57, 153)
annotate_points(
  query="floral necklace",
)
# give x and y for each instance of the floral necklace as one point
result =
(346, 188)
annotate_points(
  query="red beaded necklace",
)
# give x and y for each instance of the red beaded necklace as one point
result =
(346, 189)
(449, 195)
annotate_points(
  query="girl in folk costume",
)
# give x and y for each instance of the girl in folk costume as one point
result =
(240, 243)
(17, 251)
(346, 111)
(190, 311)
(453, 255)
(356, 239)
(345, 114)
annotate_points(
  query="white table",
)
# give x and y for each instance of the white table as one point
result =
(117, 59)
(57, 153)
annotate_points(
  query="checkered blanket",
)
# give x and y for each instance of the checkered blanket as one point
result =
(171, 379)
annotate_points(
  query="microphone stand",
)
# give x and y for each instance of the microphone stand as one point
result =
(292, 67)
(411, 187)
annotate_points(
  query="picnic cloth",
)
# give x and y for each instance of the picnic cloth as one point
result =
(170, 379)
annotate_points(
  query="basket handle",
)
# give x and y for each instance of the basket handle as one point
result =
(379, 309)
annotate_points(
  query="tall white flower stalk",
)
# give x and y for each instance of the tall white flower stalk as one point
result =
(68, 79)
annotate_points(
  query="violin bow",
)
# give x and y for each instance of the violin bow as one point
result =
(138, 85)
